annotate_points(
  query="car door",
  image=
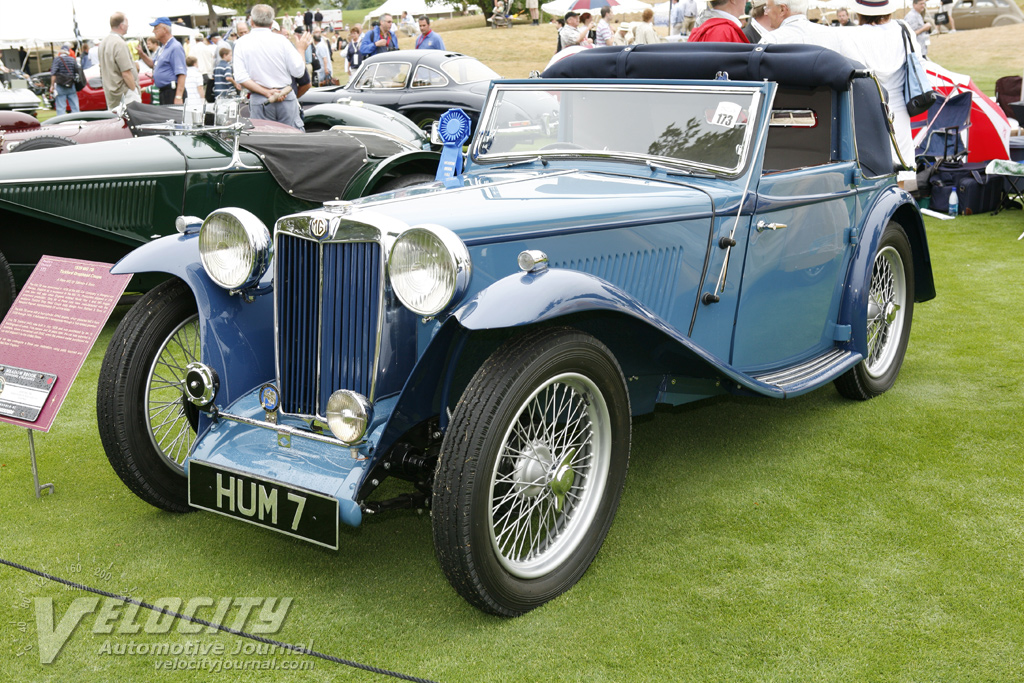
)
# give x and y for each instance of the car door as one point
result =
(381, 83)
(798, 241)
(967, 15)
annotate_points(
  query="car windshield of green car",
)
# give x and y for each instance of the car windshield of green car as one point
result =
(690, 127)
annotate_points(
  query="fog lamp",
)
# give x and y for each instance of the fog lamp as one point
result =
(348, 415)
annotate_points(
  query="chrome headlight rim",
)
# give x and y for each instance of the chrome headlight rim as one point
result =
(258, 241)
(457, 259)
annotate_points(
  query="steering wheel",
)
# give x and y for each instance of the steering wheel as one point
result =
(561, 145)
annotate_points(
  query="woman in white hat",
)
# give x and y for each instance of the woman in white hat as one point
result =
(878, 44)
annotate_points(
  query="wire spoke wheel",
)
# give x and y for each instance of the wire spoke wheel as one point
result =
(147, 427)
(531, 470)
(890, 310)
(549, 476)
(173, 420)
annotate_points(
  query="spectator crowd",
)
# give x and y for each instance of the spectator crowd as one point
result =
(270, 62)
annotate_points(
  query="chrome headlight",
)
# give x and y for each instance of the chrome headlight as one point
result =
(235, 248)
(429, 268)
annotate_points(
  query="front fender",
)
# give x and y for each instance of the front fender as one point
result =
(237, 337)
(528, 298)
(892, 204)
(417, 161)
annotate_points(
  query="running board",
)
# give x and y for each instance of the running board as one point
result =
(811, 374)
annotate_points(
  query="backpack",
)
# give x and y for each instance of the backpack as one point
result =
(79, 76)
(314, 59)
(62, 76)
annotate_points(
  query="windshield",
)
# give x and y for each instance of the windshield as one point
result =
(467, 70)
(692, 126)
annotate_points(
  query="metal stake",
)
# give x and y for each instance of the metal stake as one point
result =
(35, 468)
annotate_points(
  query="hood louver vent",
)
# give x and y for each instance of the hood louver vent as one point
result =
(108, 204)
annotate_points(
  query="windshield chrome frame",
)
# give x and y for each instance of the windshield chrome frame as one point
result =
(726, 87)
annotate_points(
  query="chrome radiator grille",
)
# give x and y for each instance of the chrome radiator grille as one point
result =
(328, 299)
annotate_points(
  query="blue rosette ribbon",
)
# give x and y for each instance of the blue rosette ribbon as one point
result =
(453, 128)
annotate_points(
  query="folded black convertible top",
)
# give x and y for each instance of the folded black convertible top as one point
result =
(790, 65)
(317, 166)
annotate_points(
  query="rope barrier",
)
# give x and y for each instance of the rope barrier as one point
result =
(298, 649)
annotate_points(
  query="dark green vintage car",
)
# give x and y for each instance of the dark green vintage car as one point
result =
(101, 201)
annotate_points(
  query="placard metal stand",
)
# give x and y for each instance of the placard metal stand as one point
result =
(35, 468)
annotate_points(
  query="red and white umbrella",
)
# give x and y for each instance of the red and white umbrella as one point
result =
(989, 132)
(590, 5)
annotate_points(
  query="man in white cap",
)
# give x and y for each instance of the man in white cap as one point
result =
(168, 66)
(265, 64)
(790, 25)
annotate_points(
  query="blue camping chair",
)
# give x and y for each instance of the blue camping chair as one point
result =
(946, 122)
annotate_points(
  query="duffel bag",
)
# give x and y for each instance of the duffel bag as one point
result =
(977, 192)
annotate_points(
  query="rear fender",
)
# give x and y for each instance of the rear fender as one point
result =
(893, 204)
(237, 336)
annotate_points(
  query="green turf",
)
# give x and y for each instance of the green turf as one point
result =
(815, 539)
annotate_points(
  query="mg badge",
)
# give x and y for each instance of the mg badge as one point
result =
(269, 397)
(318, 226)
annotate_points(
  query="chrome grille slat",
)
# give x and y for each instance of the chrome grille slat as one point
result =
(296, 289)
(328, 307)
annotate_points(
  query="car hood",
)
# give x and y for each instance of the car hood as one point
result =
(516, 205)
(153, 155)
(17, 98)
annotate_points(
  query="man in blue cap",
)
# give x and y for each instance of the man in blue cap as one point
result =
(169, 64)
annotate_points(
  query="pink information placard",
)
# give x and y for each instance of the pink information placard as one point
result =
(51, 328)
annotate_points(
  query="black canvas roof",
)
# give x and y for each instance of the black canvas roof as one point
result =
(788, 65)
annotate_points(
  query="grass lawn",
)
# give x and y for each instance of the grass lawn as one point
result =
(815, 539)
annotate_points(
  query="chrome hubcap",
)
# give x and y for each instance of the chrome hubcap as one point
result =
(550, 475)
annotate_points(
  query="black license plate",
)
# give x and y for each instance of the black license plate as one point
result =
(293, 511)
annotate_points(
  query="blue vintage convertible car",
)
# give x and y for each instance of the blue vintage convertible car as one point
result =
(679, 222)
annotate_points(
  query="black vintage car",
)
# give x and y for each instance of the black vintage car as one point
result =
(422, 84)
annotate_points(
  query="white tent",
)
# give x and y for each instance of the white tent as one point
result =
(558, 8)
(53, 21)
(415, 8)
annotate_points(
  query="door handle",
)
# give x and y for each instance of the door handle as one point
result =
(762, 226)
